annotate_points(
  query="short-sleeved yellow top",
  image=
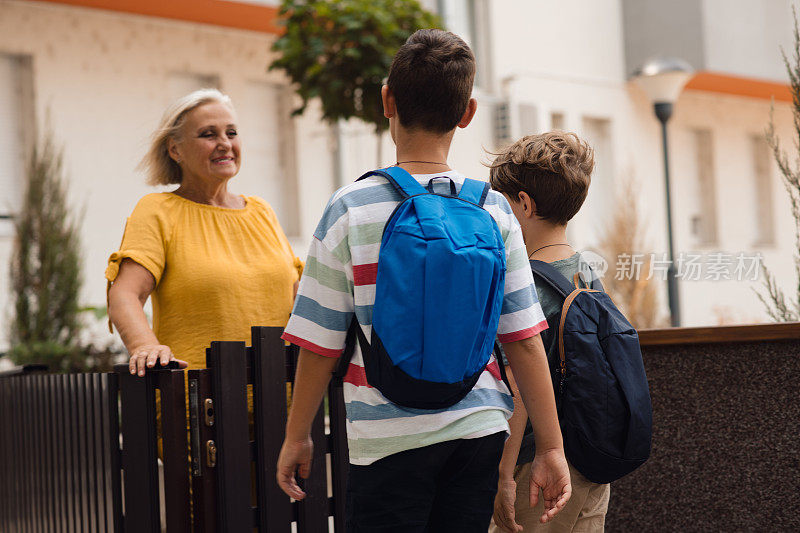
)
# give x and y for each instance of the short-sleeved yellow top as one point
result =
(218, 271)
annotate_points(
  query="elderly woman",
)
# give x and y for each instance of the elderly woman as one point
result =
(215, 263)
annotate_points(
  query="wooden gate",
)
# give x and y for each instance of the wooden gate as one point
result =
(80, 452)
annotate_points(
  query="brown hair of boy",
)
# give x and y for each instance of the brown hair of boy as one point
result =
(553, 168)
(431, 80)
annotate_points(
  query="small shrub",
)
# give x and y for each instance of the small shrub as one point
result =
(637, 297)
(46, 268)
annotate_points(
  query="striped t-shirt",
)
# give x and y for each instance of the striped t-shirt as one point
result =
(339, 280)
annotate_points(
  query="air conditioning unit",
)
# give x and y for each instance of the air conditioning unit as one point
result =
(502, 123)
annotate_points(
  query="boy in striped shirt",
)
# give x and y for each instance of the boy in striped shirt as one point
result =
(417, 469)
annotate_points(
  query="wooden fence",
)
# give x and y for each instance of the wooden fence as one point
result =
(59, 465)
(80, 452)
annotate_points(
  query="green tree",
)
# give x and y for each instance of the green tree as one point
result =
(46, 268)
(340, 51)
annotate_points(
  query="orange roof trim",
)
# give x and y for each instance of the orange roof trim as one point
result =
(230, 14)
(727, 84)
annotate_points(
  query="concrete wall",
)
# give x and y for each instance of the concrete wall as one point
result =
(668, 29)
(737, 37)
(744, 37)
(720, 429)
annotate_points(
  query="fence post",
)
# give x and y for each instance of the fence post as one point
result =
(139, 451)
(269, 403)
(175, 452)
(228, 364)
(112, 478)
(203, 434)
(340, 457)
(313, 510)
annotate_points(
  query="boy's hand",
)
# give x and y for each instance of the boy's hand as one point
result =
(294, 456)
(504, 515)
(550, 473)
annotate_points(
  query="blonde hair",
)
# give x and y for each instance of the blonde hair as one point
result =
(553, 168)
(157, 164)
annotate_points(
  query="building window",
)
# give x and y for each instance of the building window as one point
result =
(762, 194)
(16, 133)
(703, 218)
(528, 120)
(459, 17)
(599, 204)
(268, 158)
(469, 20)
(558, 121)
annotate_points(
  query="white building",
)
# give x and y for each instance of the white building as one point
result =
(99, 73)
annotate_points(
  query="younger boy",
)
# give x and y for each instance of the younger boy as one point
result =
(416, 470)
(545, 179)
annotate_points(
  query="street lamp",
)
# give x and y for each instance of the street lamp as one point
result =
(662, 80)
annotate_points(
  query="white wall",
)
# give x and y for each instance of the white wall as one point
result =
(102, 81)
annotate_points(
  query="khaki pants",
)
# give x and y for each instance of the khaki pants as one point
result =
(585, 511)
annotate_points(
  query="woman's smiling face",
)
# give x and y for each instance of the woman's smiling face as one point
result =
(209, 147)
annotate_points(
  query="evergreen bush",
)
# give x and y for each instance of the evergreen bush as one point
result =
(46, 268)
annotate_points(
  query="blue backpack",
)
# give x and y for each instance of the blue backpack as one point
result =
(439, 291)
(601, 389)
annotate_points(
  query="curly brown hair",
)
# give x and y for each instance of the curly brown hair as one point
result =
(553, 168)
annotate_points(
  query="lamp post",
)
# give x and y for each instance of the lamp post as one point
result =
(662, 80)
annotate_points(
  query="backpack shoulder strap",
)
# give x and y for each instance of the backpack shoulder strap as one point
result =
(474, 191)
(401, 180)
(354, 335)
(597, 284)
(498, 355)
(552, 277)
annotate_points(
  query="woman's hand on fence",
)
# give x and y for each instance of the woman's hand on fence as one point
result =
(294, 456)
(504, 514)
(145, 357)
(550, 473)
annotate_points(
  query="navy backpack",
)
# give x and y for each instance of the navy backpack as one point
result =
(601, 389)
(438, 294)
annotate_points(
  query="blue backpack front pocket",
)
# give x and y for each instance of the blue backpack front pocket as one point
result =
(439, 293)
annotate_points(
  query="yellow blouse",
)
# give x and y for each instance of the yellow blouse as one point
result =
(218, 271)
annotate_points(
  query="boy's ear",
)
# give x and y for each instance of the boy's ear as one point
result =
(472, 106)
(389, 107)
(528, 205)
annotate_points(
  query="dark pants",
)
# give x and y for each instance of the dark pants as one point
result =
(446, 487)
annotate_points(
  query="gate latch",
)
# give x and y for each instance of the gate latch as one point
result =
(211, 454)
(208, 411)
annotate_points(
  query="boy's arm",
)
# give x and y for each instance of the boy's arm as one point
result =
(504, 515)
(311, 379)
(549, 470)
